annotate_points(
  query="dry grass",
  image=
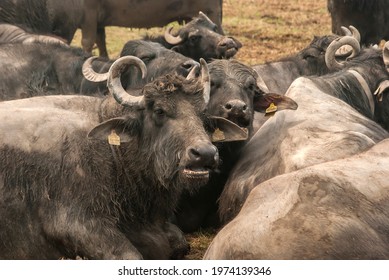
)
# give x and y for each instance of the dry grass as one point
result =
(268, 30)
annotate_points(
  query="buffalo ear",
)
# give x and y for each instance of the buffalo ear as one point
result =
(274, 102)
(115, 131)
(227, 131)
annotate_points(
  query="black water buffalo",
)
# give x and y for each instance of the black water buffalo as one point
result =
(199, 38)
(333, 210)
(369, 17)
(98, 177)
(339, 115)
(62, 18)
(277, 76)
(235, 96)
(47, 68)
(158, 59)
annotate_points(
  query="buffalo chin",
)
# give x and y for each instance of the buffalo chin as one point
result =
(195, 179)
(230, 52)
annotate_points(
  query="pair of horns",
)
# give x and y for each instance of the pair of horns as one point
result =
(120, 65)
(341, 47)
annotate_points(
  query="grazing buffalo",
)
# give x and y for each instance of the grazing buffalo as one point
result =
(235, 96)
(62, 18)
(370, 17)
(334, 210)
(339, 115)
(99, 177)
(199, 38)
(47, 68)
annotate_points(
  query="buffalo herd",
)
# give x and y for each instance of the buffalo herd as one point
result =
(104, 158)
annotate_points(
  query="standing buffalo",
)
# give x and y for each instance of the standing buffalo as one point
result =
(62, 18)
(370, 17)
(99, 177)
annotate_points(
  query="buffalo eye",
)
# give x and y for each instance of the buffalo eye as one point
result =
(159, 116)
(194, 39)
(251, 85)
(159, 112)
(147, 58)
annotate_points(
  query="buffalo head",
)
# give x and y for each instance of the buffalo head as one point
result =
(169, 122)
(236, 93)
(200, 38)
(158, 60)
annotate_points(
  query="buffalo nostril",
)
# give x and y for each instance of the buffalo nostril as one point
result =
(194, 153)
(236, 106)
(203, 156)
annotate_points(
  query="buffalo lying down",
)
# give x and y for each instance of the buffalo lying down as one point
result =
(99, 177)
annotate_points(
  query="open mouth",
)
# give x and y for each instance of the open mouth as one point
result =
(199, 174)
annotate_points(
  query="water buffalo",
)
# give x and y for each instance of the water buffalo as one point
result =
(235, 96)
(339, 115)
(158, 59)
(47, 68)
(99, 177)
(369, 17)
(277, 76)
(334, 210)
(14, 34)
(62, 18)
(199, 38)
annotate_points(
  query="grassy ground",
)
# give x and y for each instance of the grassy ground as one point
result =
(268, 30)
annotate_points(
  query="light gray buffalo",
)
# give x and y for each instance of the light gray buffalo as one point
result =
(339, 115)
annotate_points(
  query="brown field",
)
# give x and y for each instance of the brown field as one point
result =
(268, 30)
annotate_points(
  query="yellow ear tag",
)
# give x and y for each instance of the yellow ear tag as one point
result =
(114, 139)
(271, 109)
(218, 135)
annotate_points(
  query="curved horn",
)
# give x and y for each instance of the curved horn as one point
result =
(171, 39)
(205, 80)
(346, 50)
(90, 74)
(193, 73)
(43, 39)
(114, 84)
(351, 31)
(385, 53)
(330, 59)
(206, 17)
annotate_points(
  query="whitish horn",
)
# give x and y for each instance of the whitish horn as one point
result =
(335, 45)
(205, 80)
(170, 38)
(114, 84)
(90, 74)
